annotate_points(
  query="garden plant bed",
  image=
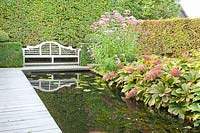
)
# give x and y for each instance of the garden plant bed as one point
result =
(169, 83)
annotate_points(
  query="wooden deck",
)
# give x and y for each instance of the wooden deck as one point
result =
(21, 110)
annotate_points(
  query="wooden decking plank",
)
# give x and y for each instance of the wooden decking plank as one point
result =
(47, 131)
(23, 118)
(21, 109)
(22, 112)
(29, 125)
(19, 99)
(19, 106)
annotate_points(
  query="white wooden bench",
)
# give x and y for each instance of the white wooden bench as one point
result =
(51, 53)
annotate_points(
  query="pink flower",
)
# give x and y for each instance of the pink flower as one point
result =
(158, 67)
(109, 76)
(154, 73)
(146, 57)
(101, 22)
(118, 17)
(131, 93)
(108, 31)
(132, 20)
(104, 18)
(142, 68)
(156, 62)
(128, 69)
(175, 72)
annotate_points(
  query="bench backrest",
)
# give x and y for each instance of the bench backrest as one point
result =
(51, 51)
(50, 48)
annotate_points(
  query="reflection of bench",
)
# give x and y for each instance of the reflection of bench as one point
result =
(49, 85)
(48, 53)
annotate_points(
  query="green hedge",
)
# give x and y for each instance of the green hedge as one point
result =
(173, 37)
(4, 36)
(11, 54)
(66, 21)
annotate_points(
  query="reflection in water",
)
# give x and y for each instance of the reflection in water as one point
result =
(53, 82)
(98, 110)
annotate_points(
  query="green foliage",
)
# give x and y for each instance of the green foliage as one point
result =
(4, 36)
(11, 54)
(153, 9)
(173, 37)
(114, 40)
(67, 22)
(169, 83)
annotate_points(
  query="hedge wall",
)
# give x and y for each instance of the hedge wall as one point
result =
(11, 54)
(4, 36)
(173, 37)
(68, 21)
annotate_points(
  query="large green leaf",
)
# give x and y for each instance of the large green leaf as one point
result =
(178, 109)
(195, 107)
(192, 76)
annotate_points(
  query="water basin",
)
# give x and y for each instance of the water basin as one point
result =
(82, 103)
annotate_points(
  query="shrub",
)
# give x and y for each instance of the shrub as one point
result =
(162, 83)
(173, 37)
(113, 41)
(4, 36)
(11, 54)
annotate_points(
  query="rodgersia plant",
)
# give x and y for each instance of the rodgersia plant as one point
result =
(170, 83)
(114, 40)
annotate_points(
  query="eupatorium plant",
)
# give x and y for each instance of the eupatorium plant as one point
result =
(114, 40)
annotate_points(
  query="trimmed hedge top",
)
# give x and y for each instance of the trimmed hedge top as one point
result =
(173, 37)
(4, 36)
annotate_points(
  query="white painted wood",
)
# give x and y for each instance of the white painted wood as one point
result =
(28, 125)
(39, 51)
(21, 109)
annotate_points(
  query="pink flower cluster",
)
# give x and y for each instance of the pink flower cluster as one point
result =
(142, 68)
(109, 76)
(115, 17)
(156, 62)
(146, 57)
(131, 93)
(175, 72)
(154, 73)
(128, 69)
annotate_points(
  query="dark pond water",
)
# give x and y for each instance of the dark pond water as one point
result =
(82, 103)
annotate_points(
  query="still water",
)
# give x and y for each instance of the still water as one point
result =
(82, 103)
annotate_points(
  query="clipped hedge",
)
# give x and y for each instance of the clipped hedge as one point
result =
(173, 37)
(11, 54)
(67, 22)
(4, 36)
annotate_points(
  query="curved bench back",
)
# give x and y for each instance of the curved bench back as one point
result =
(52, 50)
